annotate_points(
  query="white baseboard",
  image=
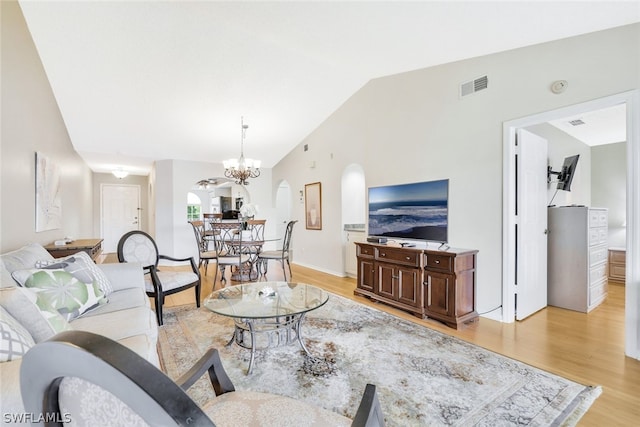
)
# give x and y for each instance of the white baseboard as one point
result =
(315, 267)
(494, 315)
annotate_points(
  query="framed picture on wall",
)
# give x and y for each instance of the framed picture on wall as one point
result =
(48, 197)
(313, 206)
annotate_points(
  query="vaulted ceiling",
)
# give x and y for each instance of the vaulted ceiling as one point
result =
(143, 81)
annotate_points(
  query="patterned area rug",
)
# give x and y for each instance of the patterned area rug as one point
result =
(424, 378)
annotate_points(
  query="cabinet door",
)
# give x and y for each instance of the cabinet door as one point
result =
(439, 293)
(366, 275)
(387, 281)
(409, 286)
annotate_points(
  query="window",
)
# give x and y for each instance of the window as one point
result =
(194, 207)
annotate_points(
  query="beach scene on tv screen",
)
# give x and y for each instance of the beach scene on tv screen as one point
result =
(410, 211)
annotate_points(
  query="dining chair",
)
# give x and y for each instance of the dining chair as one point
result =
(138, 246)
(212, 217)
(87, 379)
(255, 235)
(283, 254)
(204, 254)
(229, 246)
(208, 219)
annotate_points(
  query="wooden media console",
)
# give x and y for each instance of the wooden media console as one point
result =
(426, 282)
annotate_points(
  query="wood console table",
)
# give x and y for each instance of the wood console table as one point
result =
(93, 247)
(425, 282)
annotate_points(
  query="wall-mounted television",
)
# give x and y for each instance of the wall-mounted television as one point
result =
(565, 176)
(568, 170)
(418, 211)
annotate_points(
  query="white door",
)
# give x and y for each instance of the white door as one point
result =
(120, 213)
(531, 245)
(283, 209)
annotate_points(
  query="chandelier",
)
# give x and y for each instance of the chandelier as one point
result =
(242, 169)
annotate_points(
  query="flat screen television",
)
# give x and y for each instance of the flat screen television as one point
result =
(568, 170)
(410, 211)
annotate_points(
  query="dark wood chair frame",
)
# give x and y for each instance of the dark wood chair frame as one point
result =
(146, 390)
(152, 270)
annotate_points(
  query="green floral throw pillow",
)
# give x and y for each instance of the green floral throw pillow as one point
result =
(68, 294)
(82, 267)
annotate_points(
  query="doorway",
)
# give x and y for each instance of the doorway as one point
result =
(531, 245)
(119, 213)
(510, 218)
(283, 207)
(354, 212)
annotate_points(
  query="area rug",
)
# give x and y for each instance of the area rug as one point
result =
(423, 377)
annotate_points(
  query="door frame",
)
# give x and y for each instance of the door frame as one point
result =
(509, 220)
(102, 187)
(283, 202)
(533, 152)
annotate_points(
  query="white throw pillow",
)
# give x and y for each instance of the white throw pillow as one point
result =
(40, 319)
(15, 340)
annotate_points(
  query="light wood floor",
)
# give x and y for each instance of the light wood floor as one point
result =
(587, 348)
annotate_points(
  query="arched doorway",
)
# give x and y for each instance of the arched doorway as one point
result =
(353, 214)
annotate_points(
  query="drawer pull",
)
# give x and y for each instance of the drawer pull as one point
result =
(383, 254)
(408, 258)
(437, 261)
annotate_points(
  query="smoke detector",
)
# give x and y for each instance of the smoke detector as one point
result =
(559, 86)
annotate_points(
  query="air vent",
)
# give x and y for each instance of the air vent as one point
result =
(576, 122)
(474, 86)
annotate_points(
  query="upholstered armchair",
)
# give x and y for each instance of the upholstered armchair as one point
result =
(91, 380)
(138, 246)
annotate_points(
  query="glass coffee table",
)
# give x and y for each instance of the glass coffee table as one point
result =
(266, 314)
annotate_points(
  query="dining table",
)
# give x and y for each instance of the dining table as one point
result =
(250, 272)
(238, 237)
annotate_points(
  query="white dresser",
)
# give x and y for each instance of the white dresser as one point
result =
(577, 257)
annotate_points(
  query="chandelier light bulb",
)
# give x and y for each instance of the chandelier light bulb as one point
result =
(242, 169)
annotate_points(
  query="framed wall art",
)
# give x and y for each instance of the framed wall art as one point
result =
(313, 206)
(48, 198)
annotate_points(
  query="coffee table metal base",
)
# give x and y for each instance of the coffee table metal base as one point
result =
(259, 334)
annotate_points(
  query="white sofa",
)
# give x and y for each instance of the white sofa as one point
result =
(123, 315)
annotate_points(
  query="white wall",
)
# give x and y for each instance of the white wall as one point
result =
(164, 195)
(108, 178)
(354, 193)
(609, 186)
(600, 179)
(414, 127)
(31, 121)
(174, 179)
(561, 145)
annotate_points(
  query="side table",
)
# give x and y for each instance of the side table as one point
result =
(617, 267)
(93, 247)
